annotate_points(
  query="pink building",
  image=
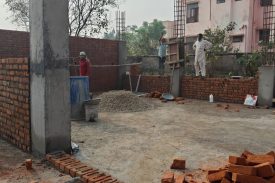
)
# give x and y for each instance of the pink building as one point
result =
(169, 28)
(248, 14)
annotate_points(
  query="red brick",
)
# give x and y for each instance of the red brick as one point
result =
(217, 176)
(75, 169)
(28, 163)
(246, 153)
(265, 170)
(70, 166)
(246, 170)
(178, 164)
(247, 179)
(83, 171)
(225, 180)
(237, 160)
(271, 180)
(168, 177)
(180, 178)
(258, 159)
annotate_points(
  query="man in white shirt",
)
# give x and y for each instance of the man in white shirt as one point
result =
(200, 47)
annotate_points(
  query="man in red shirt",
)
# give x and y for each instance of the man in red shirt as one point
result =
(84, 64)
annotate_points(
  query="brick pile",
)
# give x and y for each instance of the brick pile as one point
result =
(248, 168)
(69, 165)
(224, 90)
(15, 102)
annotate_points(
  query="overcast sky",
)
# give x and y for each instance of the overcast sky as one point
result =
(137, 11)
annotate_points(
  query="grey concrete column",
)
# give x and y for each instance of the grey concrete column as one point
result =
(266, 85)
(50, 93)
(122, 60)
(176, 79)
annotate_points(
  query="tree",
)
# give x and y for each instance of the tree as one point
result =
(86, 17)
(145, 39)
(220, 38)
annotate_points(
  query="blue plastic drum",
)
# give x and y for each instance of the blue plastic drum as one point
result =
(80, 92)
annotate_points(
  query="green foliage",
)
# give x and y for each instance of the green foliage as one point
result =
(144, 40)
(251, 62)
(221, 41)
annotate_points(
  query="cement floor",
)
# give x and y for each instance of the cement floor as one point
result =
(139, 147)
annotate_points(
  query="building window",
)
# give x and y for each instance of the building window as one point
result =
(264, 35)
(192, 13)
(237, 39)
(266, 2)
(220, 1)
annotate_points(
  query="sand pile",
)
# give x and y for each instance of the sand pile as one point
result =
(123, 101)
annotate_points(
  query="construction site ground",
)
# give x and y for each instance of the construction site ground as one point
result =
(139, 147)
(13, 170)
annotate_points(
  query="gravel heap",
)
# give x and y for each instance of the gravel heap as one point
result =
(123, 101)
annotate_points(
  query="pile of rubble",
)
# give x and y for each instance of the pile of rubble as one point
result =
(123, 101)
(248, 168)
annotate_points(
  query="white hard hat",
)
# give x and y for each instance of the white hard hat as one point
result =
(82, 53)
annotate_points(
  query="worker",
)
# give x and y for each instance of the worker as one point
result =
(84, 64)
(162, 54)
(200, 47)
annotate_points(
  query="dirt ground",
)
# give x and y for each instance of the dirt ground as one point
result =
(12, 169)
(139, 147)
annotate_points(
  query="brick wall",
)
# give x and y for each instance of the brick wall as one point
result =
(14, 102)
(224, 90)
(148, 83)
(15, 44)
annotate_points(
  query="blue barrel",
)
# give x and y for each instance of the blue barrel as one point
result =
(80, 92)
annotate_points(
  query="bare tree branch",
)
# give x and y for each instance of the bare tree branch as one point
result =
(85, 16)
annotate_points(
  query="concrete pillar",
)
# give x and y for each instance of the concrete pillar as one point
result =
(122, 60)
(50, 105)
(266, 85)
(176, 79)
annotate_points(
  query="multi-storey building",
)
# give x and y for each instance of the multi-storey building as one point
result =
(247, 14)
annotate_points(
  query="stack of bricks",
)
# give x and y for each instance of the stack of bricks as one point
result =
(224, 90)
(15, 102)
(248, 168)
(69, 165)
(148, 83)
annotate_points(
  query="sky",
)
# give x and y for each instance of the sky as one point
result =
(137, 11)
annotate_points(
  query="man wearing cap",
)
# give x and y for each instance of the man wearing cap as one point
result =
(84, 64)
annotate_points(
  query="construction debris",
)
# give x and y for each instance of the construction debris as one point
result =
(69, 165)
(247, 168)
(28, 164)
(168, 177)
(178, 164)
(123, 101)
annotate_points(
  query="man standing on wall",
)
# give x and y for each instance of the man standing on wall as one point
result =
(162, 54)
(84, 64)
(200, 47)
